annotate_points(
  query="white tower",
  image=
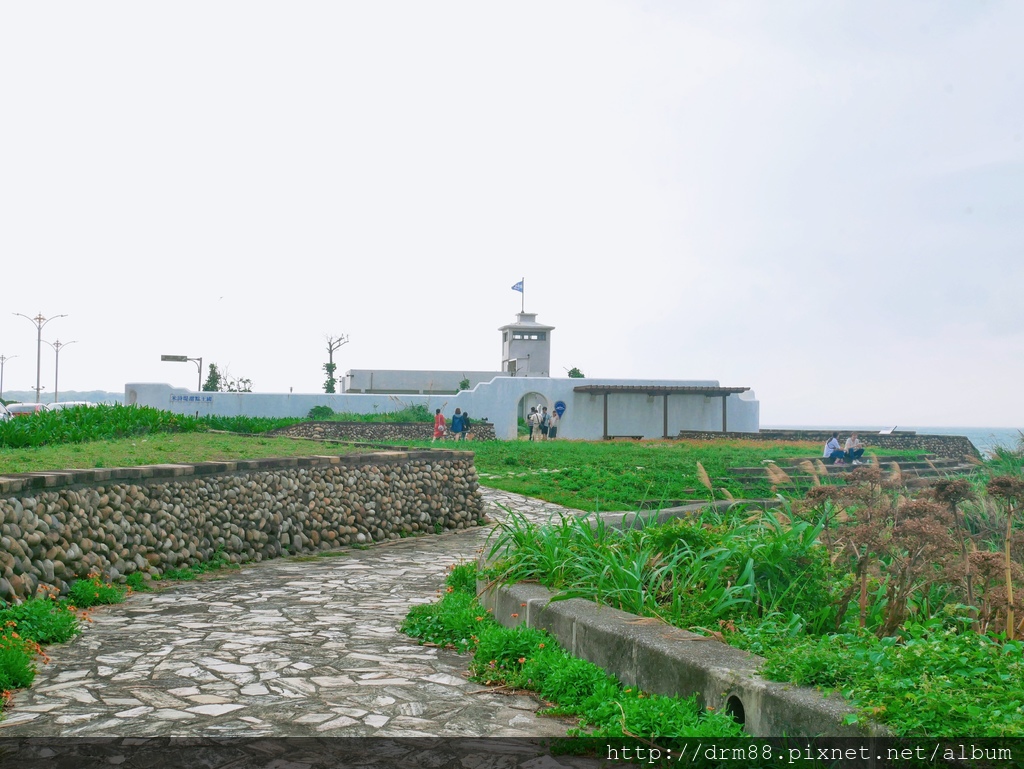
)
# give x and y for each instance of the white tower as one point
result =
(526, 346)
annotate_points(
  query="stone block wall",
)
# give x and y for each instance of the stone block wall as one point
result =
(59, 526)
(377, 432)
(949, 446)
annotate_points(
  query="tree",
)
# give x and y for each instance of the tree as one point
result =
(237, 385)
(464, 384)
(575, 373)
(221, 381)
(333, 343)
(213, 381)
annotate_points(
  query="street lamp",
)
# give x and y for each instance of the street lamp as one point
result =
(3, 360)
(185, 359)
(39, 322)
(57, 345)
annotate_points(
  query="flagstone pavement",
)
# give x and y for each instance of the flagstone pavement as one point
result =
(284, 648)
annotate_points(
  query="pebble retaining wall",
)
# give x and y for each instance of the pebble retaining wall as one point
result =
(377, 432)
(949, 446)
(59, 526)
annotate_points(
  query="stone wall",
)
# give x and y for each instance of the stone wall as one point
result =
(59, 526)
(377, 432)
(951, 446)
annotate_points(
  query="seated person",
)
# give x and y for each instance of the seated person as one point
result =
(834, 453)
(854, 449)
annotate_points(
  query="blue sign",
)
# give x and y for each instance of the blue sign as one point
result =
(560, 408)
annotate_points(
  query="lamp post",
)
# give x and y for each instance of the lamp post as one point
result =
(185, 359)
(3, 360)
(57, 345)
(39, 322)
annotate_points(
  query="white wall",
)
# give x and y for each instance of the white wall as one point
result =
(496, 401)
(395, 381)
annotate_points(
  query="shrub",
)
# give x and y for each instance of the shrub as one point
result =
(17, 669)
(40, 620)
(320, 413)
(92, 591)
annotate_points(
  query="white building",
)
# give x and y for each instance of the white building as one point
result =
(591, 408)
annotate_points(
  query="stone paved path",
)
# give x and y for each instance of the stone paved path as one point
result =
(282, 648)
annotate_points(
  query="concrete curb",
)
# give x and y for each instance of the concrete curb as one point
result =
(660, 659)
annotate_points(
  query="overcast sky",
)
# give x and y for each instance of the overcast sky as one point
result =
(821, 201)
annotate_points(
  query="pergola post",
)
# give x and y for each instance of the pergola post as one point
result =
(605, 436)
(664, 428)
(725, 423)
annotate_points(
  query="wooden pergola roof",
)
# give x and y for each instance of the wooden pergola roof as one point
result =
(665, 391)
(710, 392)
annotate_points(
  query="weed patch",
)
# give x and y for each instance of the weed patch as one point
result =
(529, 659)
(216, 562)
(93, 591)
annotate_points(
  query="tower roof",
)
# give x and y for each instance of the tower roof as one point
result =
(526, 320)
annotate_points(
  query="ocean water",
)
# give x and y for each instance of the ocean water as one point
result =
(984, 438)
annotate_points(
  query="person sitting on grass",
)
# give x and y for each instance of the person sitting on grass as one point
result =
(854, 449)
(834, 454)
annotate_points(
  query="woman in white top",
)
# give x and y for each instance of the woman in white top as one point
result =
(834, 454)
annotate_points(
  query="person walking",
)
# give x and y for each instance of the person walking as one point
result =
(440, 426)
(457, 424)
(545, 422)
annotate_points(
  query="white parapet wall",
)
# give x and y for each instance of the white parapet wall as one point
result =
(500, 401)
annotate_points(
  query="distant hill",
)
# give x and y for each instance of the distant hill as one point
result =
(96, 396)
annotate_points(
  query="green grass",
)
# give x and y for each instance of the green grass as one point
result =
(529, 659)
(93, 591)
(600, 476)
(159, 448)
(415, 413)
(217, 562)
(766, 582)
(934, 680)
(700, 571)
(40, 620)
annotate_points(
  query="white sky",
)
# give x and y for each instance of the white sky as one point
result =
(821, 201)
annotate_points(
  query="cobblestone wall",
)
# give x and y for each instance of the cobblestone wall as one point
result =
(56, 527)
(951, 446)
(377, 432)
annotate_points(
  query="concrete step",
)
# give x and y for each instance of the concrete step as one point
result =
(926, 475)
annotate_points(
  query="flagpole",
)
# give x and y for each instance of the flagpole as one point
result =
(522, 307)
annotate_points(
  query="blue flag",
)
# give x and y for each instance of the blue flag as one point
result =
(518, 287)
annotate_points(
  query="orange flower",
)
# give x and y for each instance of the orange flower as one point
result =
(515, 615)
(522, 660)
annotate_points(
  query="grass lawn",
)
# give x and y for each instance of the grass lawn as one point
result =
(588, 475)
(600, 476)
(160, 448)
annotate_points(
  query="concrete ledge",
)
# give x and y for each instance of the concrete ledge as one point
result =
(13, 483)
(658, 658)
